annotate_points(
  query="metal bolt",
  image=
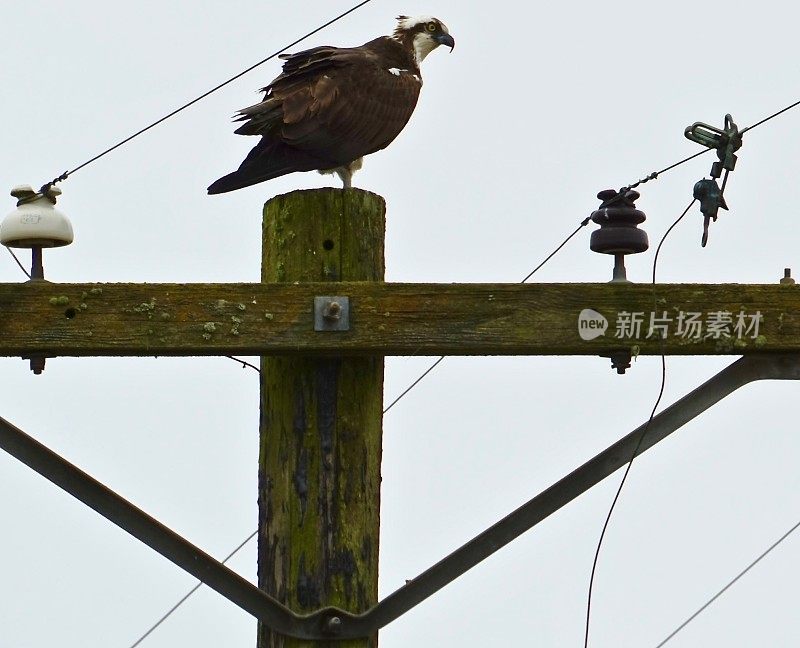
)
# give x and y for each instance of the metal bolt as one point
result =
(333, 311)
(621, 361)
(787, 277)
(332, 625)
(37, 364)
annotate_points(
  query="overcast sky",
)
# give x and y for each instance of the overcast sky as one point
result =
(540, 106)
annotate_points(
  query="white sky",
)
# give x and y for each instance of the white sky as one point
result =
(540, 106)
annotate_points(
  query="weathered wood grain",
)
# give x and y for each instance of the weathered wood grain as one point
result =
(321, 420)
(387, 319)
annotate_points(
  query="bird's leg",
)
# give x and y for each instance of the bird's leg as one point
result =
(346, 175)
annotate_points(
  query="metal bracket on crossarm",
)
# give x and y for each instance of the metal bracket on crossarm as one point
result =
(331, 623)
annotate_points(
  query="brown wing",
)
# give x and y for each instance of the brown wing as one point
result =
(335, 104)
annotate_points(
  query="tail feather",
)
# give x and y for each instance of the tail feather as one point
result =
(267, 160)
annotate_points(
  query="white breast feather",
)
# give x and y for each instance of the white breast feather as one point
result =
(423, 45)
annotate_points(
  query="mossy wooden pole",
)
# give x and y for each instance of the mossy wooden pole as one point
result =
(321, 420)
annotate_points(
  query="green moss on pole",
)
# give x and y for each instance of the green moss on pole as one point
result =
(321, 419)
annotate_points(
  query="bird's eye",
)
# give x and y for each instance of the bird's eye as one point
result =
(431, 26)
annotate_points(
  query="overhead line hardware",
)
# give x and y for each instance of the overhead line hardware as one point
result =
(708, 191)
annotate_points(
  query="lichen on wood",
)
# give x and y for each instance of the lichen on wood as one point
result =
(386, 319)
(319, 463)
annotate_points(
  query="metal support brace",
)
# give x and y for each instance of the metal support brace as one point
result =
(331, 623)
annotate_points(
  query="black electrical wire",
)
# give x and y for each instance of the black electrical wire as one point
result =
(641, 436)
(189, 593)
(652, 176)
(396, 400)
(66, 174)
(656, 174)
(245, 365)
(583, 224)
(414, 384)
(730, 584)
(772, 116)
(19, 263)
(419, 379)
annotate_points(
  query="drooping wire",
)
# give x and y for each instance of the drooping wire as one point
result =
(652, 176)
(66, 174)
(641, 436)
(731, 583)
(396, 400)
(19, 263)
(188, 594)
(245, 364)
(664, 238)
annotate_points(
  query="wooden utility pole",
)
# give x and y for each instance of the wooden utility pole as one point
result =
(321, 391)
(321, 421)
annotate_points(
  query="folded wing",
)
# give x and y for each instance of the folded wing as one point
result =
(328, 107)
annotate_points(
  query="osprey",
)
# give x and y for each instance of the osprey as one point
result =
(331, 106)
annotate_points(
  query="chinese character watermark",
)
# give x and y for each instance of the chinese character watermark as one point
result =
(687, 325)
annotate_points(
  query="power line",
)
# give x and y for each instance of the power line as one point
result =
(396, 400)
(772, 116)
(189, 593)
(414, 384)
(419, 379)
(641, 436)
(774, 545)
(19, 263)
(583, 224)
(652, 176)
(66, 174)
(656, 174)
(244, 364)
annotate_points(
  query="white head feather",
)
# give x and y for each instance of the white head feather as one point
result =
(423, 42)
(406, 23)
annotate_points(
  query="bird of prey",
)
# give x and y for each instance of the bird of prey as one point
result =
(331, 106)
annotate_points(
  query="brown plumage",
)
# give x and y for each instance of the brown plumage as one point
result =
(331, 106)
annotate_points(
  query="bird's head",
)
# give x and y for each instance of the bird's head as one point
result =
(422, 33)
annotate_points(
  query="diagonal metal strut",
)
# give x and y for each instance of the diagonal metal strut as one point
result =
(745, 370)
(150, 531)
(332, 623)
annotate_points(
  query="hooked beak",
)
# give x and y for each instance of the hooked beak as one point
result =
(446, 39)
